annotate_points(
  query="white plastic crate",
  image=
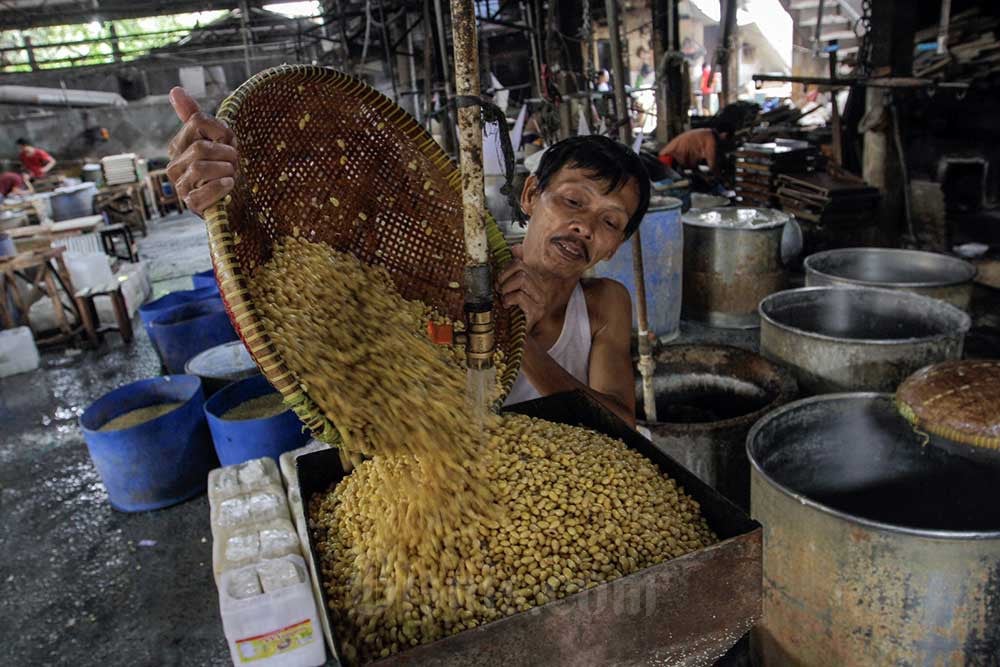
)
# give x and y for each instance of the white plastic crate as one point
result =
(18, 353)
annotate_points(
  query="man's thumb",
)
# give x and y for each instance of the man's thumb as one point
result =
(183, 104)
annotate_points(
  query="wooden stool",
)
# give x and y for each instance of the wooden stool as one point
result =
(92, 322)
(110, 234)
(44, 273)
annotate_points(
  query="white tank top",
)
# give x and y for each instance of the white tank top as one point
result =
(571, 350)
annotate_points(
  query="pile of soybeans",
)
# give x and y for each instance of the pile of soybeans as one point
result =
(455, 519)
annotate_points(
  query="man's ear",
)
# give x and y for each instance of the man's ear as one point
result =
(529, 194)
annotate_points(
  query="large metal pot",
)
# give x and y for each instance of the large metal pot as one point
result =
(839, 339)
(732, 259)
(932, 274)
(877, 549)
(707, 398)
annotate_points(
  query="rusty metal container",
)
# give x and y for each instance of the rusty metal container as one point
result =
(928, 273)
(732, 260)
(687, 611)
(707, 398)
(877, 549)
(839, 339)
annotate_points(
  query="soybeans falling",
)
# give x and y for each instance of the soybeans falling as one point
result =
(442, 529)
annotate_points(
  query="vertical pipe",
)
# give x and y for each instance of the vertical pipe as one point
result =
(942, 40)
(726, 51)
(479, 283)
(31, 52)
(412, 61)
(116, 53)
(244, 33)
(835, 114)
(536, 66)
(646, 366)
(819, 27)
(428, 64)
(387, 52)
(447, 126)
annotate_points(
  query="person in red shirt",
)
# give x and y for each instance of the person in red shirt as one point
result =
(35, 160)
(12, 183)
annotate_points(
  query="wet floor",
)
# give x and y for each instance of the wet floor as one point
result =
(82, 584)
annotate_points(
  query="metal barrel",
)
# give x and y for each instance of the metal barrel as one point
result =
(729, 265)
(928, 273)
(837, 339)
(877, 549)
(159, 462)
(708, 397)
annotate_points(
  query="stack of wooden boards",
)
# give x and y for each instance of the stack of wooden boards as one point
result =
(758, 166)
(834, 211)
(973, 53)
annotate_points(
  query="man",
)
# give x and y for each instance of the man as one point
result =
(586, 198)
(693, 148)
(36, 161)
(12, 183)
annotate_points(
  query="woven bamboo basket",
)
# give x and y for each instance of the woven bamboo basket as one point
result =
(325, 157)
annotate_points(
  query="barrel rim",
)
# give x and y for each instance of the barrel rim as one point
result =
(809, 265)
(782, 219)
(177, 378)
(665, 203)
(211, 406)
(826, 509)
(955, 311)
(787, 390)
(190, 368)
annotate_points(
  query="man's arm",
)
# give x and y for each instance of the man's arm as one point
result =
(611, 379)
(49, 161)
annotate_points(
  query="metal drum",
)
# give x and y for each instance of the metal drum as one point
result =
(707, 398)
(732, 260)
(877, 549)
(932, 274)
(838, 339)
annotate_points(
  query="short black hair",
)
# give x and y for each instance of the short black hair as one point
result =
(606, 159)
(22, 142)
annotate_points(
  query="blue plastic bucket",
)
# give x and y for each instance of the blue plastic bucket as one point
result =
(182, 332)
(148, 311)
(237, 441)
(160, 462)
(204, 280)
(662, 258)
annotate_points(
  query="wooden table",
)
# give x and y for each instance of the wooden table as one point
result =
(44, 272)
(134, 191)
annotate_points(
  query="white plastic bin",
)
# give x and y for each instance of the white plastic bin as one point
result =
(88, 269)
(18, 353)
(269, 615)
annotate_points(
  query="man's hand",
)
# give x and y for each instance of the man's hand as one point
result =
(519, 286)
(203, 155)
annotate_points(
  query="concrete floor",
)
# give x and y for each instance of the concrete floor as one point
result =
(82, 584)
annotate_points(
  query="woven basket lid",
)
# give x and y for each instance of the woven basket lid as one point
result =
(956, 400)
(327, 158)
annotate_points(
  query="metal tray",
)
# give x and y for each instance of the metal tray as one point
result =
(685, 611)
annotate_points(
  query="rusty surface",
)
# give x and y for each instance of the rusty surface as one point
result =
(684, 612)
(727, 271)
(848, 591)
(742, 386)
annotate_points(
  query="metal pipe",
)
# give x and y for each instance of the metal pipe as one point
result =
(646, 364)
(447, 126)
(819, 26)
(942, 40)
(244, 33)
(385, 51)
(428, 63)
(412, 61)
(479, 283)
(838, 150)
(536, 73)
(39, 96)
(725, 53)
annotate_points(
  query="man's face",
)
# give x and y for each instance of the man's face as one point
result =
(574, 223)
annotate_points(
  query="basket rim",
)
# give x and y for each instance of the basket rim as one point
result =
(233, 282)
